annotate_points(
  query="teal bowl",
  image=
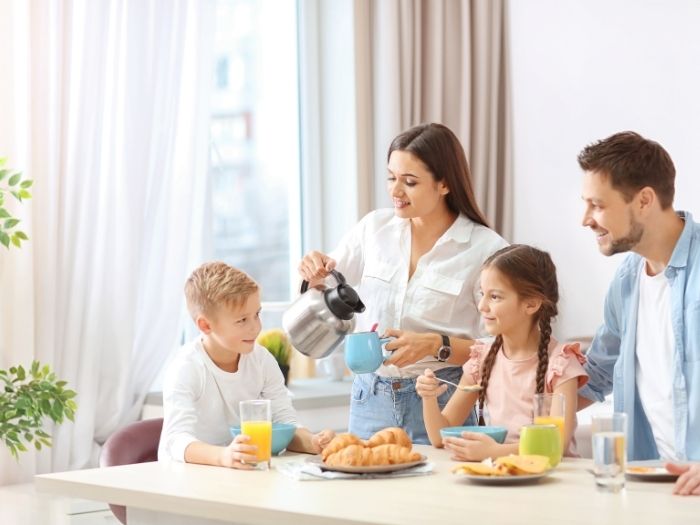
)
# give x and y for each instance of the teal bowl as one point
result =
(497, 433)
(282, 434)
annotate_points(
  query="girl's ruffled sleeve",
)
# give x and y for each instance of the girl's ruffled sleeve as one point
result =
(566, 363)
(473, 364)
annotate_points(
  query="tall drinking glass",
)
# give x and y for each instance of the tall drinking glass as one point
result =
(548, 409)
(609, 451)
(256, 422)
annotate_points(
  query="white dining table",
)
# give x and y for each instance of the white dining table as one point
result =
(184, 494)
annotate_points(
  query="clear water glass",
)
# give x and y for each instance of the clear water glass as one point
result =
(609, 436)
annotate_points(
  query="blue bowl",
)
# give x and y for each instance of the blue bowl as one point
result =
(497, 433)
(282, 434)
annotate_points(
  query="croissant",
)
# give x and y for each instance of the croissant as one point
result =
(351, 456)
(340, 441)
(359, 456)
(391, 435)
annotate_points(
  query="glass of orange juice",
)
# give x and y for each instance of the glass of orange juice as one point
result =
(256, 422)
(548, 409)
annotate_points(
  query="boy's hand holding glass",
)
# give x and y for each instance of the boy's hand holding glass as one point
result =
(239, 454)
(428, 386)
(472, 446)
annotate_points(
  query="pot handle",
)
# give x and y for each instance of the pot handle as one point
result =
(338, 277)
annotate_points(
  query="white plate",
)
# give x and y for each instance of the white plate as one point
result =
(504, 480)
(377, 469)
(653, 470)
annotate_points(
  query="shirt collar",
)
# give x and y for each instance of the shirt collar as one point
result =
(681, 252)
(460, 230)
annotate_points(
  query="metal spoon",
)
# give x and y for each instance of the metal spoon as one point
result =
(470, 388)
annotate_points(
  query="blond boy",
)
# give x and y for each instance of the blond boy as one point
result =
(221, 367)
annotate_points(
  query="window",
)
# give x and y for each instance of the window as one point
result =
(254, 184)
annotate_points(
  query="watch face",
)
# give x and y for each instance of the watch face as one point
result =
(444, 353)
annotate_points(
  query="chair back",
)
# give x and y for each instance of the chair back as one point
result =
(135, 443)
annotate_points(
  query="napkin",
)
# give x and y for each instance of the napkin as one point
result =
(305, 471)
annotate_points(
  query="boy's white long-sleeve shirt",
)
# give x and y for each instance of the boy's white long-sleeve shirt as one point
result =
(200, 401)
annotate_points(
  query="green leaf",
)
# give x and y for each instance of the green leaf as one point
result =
(35, 368)
(3, 173)
(12, 181)
(21, 374)
(37, 445)
(21, 235)
(26, 183)
(4, 239)
(24, 194)
(11, 223)
(4, 214)
(45, 406)
(15, 241)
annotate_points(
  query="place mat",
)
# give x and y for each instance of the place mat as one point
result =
(304, 470)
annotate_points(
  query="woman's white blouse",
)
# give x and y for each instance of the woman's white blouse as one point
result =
(441, 296)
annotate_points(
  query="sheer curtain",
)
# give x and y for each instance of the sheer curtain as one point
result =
(110, 117)
(439, 61)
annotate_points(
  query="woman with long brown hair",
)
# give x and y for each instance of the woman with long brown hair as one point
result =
(416, 268)
(519, 299)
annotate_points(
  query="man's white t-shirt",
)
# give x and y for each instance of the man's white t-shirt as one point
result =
(200, 400)
(654, 373)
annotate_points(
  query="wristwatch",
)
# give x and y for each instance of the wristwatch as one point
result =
(445, 351)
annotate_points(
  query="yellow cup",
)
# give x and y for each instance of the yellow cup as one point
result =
(256, 423)
(260, 433)
(542, 440)
(548, 409)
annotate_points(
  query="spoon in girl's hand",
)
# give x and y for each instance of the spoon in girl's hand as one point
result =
(470, 388)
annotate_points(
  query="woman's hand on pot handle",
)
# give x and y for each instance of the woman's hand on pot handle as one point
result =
(315, 266)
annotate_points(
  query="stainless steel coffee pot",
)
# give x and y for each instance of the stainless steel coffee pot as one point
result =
(318, 320)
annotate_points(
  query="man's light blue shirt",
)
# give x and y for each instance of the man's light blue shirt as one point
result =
(612, 361)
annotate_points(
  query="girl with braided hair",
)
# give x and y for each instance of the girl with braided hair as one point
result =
(519, 299)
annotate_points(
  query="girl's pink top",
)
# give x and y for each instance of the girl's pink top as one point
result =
(511, 388)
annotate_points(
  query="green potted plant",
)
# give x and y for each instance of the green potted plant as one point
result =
(278, 345)
(27, 397)
(11, 184)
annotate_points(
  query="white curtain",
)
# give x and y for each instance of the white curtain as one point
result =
(441, 61)
(107, 110)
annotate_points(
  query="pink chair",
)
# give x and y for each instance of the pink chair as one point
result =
(135, 443)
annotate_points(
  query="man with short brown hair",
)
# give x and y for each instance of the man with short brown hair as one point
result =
(647, 352)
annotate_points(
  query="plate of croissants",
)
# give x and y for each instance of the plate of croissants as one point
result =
(388, 450)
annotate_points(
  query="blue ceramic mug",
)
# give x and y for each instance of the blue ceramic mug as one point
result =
(364, 351)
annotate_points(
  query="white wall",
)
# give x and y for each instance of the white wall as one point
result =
(582, 70)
